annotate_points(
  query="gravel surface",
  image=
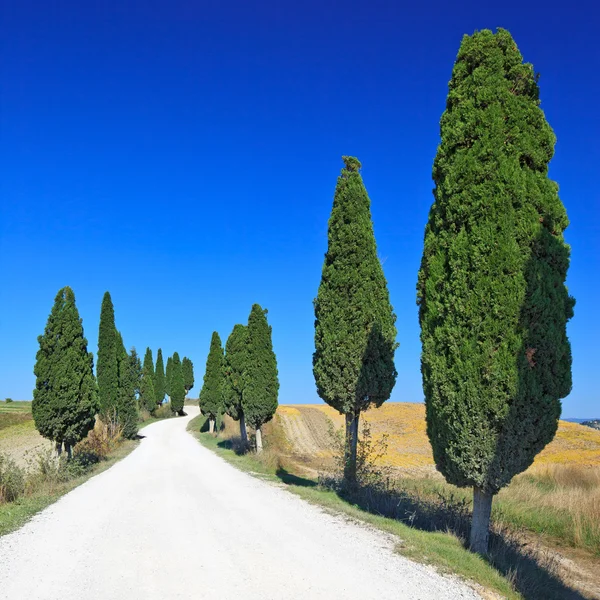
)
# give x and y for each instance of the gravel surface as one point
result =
(173, 520)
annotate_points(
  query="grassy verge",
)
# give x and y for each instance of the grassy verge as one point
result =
(442, 550)
(15, 514)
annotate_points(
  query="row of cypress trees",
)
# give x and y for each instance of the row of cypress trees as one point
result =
(68, 396)
(242, 381)
(493, 305)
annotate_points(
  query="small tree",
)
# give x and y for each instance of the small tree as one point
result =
(177, 385)
(159, 378)
(168, 376)
(259, 400)
(355, 330)
(493, 305)
(188, 374)
(211, 394)
(236, 358)
(65, 399)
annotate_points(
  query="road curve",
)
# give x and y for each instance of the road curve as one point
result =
(174, 521)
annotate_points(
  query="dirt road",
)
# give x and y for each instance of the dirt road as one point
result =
(172, 520)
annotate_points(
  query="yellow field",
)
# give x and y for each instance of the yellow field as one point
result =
(306, 429)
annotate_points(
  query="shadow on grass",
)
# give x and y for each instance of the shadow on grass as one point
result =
(291, 479)
(236, 444)
(532, 573)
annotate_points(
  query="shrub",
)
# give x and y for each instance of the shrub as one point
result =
(12, 479)
(163, 411)
(8, 400)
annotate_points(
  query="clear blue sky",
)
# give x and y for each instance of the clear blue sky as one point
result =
(183, 155)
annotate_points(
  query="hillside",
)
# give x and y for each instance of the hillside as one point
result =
(307, 437)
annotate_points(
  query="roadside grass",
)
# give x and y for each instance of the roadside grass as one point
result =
(442, 550)
(557, 500)
(47, 491)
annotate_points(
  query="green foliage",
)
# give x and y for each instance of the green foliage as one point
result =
(188, 374)
(159, 378)
(8, 400)
(177, 385)
(259, 399)
(12, 480)
(211, 394)
(355, 331)
(148, 364)
(107, 369)
(64, 400)
(135, 370)
(236, 359)
(493, 305)
(125, 412)
(169, 375)
(147, 391)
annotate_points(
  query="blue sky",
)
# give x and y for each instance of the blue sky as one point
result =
(183, 155)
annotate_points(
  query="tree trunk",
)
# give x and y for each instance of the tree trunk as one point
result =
(480, 523)
(69, 451)
(59, 448)
(243, 432)
(259, 446)
(350, 449)
(211, 425)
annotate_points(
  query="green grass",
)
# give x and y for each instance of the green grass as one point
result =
(442, 550)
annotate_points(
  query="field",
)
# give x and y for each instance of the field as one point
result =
(19, 438)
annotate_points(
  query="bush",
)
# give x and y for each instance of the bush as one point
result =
(8, 400)
(12, 479)
(163, 411)
(102, 440)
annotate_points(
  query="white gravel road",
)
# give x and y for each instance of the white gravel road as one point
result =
(173, 520)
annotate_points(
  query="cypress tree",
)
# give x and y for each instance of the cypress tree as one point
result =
(147, 391)
(148, 363)
(259, 400)
(493, 305)
(135, 370)
(159, 378)
(211, 394)
(177, 385)
(188, 374)
(168, 376)
(107, 369)
(65, 398)
(236, 358)
(126, 408)
(355, 330)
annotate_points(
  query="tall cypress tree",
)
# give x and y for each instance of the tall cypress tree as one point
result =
(355, 330)
(135, 370)
(177, 385)
(236, 359)
(159, 378)
(168, 376)
(107, 369)
(65, 399)
(493, 305)
(126, 408)
(148, 393)
(148, 363)
(211, 394)
(188, 374)
(259, 400)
